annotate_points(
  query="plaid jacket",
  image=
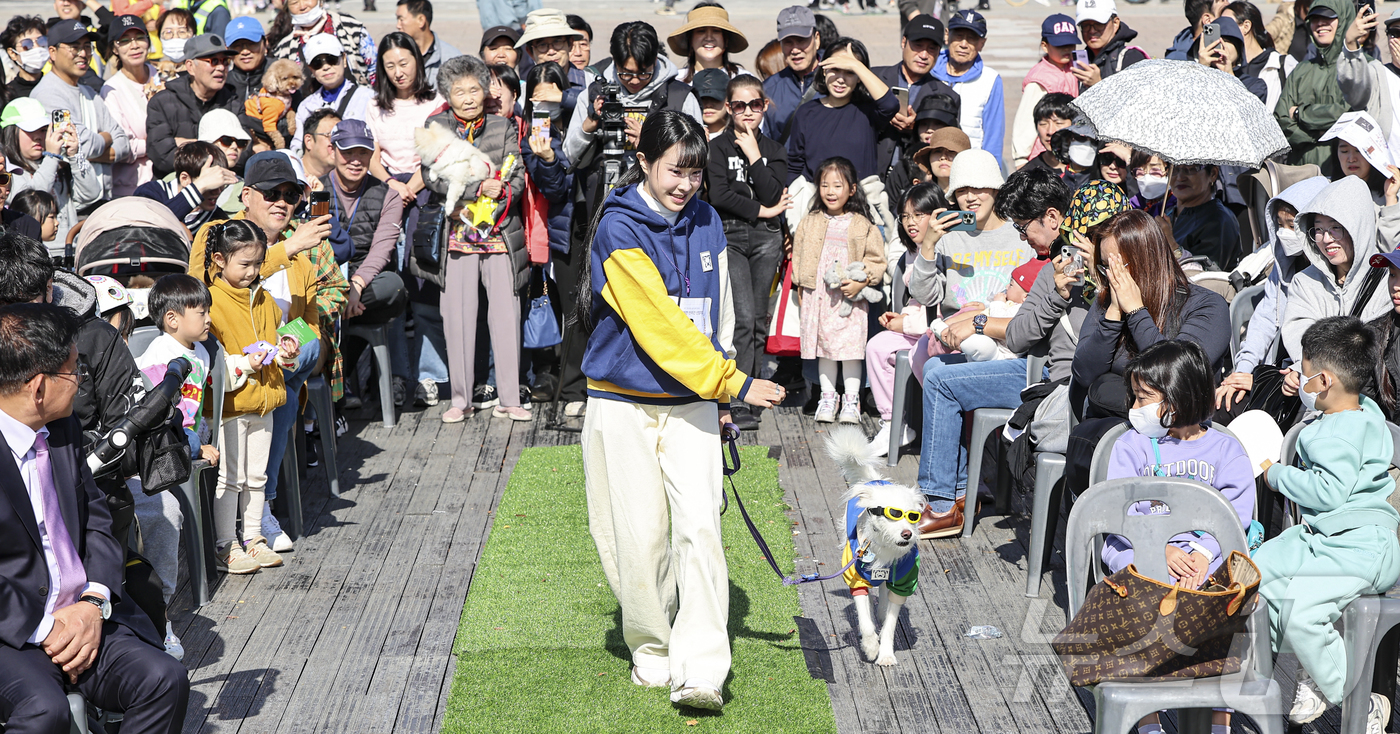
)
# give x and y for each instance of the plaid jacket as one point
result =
(354, 38)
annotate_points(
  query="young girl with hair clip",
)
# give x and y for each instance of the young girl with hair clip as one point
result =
(1172, 388)
(244, 318)
(836, 233)
(660, 378)
(745, 183)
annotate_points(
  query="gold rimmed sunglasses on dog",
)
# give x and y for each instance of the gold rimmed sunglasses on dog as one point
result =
(894, 513)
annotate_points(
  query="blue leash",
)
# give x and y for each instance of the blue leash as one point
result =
(730, 435)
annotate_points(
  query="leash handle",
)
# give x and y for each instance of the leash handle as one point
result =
(729, 434)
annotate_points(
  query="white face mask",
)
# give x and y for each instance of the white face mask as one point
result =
(1309, 398)
(34, 59)
(1082, 153)
(1290, 242)
(311, 16)
(1152, 187)
(174, 49)
(1146, 420)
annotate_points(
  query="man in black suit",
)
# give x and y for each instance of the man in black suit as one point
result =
(62, 618)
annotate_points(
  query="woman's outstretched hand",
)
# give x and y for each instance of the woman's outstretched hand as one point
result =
(765, 394)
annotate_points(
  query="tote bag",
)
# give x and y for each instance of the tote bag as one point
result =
(784, 326)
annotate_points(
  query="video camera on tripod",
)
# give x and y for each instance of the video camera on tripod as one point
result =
(614, 128)
(162, 456)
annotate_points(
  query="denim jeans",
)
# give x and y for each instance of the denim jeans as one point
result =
(953, 386)
(285, 416)
(429, 343)
(505, 12)
(753, 253)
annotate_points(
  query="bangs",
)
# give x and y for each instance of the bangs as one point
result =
(692, 152)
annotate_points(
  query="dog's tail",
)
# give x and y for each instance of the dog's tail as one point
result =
(851, 450)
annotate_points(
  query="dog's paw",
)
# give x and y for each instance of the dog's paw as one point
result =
(870, 646)
(886, 659)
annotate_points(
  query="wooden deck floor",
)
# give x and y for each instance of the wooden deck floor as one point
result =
(355, 633)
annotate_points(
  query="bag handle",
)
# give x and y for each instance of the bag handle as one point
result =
(1168, 604)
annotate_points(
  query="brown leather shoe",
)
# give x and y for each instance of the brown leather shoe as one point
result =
(942, 525)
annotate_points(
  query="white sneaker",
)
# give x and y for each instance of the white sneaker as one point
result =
(826, 408)
(575, 409)
(1379, 715)
(174, 649)
(698, 693)
(273, 529)
(426, 393)
(651, 677)
(1308, 703)
(850, 408)
(881, 442)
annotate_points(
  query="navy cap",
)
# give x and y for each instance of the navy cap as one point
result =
(268, 170)
(1386, 260)
(123, 23)
(969, 19)
(711, 84)
(69, 31)
(1059, 30)
(349, 134)
(924, 28)
(1321, 11)
(500, 31)
(1229, 29)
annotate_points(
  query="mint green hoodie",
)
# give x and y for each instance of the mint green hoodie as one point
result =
(1345, 480)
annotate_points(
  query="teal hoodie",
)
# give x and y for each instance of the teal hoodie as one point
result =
(1345, 480)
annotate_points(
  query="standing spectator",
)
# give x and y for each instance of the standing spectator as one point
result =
(1312, 99)
(978, 85)
(795, 85)
(248, 44)
(210, 16)
(126, 94)
(100, 137)
(403, 102)
(1052, 74)
(174, 114)
(549, 37)
(855, 104)
(317, 157)
(706, 41)
(1202, 224)
(1106, 37)
(1199, 14)
(1260, 59)
(415, 17)
(581, 54)
(921, 43)
(936, 159)
(498, 45)
(201, 174)
(175, 28)
(330, 86)
(504, 13)
(310, 19)
(39, 156)
(26, 42)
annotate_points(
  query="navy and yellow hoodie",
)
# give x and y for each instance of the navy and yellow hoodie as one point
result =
(644, 348)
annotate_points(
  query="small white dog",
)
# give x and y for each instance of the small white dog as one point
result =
(882, 530)
(451, 159)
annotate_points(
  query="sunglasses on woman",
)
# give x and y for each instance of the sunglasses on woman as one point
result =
(755, 105)
(26, 44)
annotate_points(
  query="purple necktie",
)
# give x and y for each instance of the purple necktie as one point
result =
(70, 567)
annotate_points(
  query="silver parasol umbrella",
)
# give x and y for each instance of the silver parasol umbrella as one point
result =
(1184, 112)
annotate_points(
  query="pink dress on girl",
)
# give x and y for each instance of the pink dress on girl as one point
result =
(825, 333)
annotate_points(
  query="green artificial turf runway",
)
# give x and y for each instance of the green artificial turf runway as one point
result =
(540, 643)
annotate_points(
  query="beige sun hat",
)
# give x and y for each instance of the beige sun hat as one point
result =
(707, 17)
(545, 23)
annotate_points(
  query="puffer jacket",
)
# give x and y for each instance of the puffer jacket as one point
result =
(1314, 90)
(174, 112)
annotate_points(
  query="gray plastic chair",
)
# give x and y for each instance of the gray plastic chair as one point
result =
(320, 392)
(1103, 509)
(140, 339)
(378, 337)
(903, 376)
(1241, 309)
(289, 491)
(984, 422)
(198, 548)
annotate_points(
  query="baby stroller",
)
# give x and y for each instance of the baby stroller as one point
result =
(132, 239)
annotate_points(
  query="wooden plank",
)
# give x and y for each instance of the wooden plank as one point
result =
(377, 709)
(493, 447)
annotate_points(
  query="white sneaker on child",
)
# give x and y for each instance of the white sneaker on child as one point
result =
(173, 648)
(1379, 715)
(850, 408)
(281, 542)
(826, 408)
(881, 442)
(1308, 702)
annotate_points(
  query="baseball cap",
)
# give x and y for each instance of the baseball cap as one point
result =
(1229, 29)
(1059, 30)
(26, 112)
(711, 84)
(205, 45)
(268, 170)
(969, 19)
(321, 44)
(243, 28)
(69, 31)
(1380, 260)
(940, 108)
(123, 23)
(796, 20)
(1394, 17)
(349, 134)
(1321, 11)
(496, 32)
(1025, 275)
(1099, 11)
(220, 123)
(924, 28)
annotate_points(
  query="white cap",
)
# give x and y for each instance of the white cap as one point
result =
(1099, 11)
(974, 169)
(321, 44)
(221, 123)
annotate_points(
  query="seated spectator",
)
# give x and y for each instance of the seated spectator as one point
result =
(127, 93)
(979, 88)
(310, 18)
(1312, 98)
(706, 41)
(317, 157)
(175, 113)
(1352, 162)
(12, 220)
(330, 87)
(101, 138)
(247, 43)
(201, 174)
(125, 668)
(1077, 153)
(1106, 38)
(1111, 165)
(1202, 224)
(42, 208)
(26, 42)
(1052, 74)
(225, 131)
(272, 104)
(498, 46)
(39, 156)
(1153, 187)
(1053, 113)
(415, 17)
(854, 106)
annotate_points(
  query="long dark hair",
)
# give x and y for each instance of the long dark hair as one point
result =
(384, 92)
(1151, 260)
(730, 68)
(550, 72)
(1180, 371)
(9, 145)
(280, 28)
(857, 203)
(663, 130)
(1244, 10)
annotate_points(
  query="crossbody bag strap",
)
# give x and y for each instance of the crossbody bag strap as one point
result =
(1368, 289)
(345, 99)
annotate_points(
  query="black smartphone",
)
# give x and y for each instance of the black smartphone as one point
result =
(320, 203)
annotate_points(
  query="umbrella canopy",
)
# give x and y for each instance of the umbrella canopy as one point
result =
(1184, 112)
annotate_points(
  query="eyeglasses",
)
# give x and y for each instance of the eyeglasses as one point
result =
(289, 195)
(894, 513)
(917, 216)
(1021, 228)
(126, 41)
(628, 76)
(1336, 233)
(755, 105)
(552, 44)
(324, 60)
(1189, 170)
(26, 44)
(77, 49)
(80, 374)
(1103, 273)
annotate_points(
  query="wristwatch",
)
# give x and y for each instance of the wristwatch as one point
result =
(100, 603)
(979, 322)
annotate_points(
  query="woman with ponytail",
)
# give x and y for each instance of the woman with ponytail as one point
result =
(661, 375)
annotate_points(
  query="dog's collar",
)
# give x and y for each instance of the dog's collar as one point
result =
(878, 482)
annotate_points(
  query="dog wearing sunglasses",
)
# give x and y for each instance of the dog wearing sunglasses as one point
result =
(881, 534)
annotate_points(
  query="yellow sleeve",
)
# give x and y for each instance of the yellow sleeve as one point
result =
(637, 293)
